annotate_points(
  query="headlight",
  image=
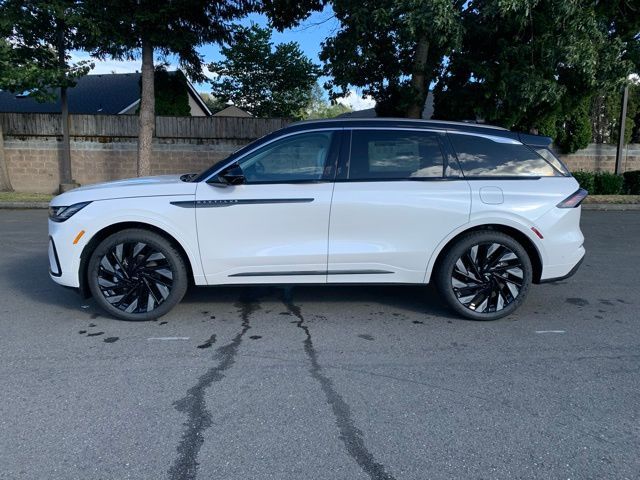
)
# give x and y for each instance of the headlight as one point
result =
(60, 214)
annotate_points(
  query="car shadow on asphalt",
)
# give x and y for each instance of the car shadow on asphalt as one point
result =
(421, 299)
(29, 277)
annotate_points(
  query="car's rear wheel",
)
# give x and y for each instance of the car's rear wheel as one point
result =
(485, 275)
(136, 274)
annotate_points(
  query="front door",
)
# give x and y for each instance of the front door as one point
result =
(394, 201)
(273, 228)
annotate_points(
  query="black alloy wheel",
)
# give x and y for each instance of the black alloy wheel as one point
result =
(485, 276)
(137, 275)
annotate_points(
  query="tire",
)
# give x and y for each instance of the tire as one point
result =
(485, 275)
(129, 289)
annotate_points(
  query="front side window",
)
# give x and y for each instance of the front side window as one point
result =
(395, 155)
(486, 157)
(297, 158)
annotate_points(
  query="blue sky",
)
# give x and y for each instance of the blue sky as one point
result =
(309, 36)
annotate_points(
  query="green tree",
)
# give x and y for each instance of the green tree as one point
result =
(535, 65)
(318, 106)
(391, 49)
(132, 29)
(266, 81)
(37, 36)
(172, 93)
(214, 104)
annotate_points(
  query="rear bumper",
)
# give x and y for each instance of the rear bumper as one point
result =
(571, 273)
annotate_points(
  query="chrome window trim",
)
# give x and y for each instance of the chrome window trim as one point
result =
(494, 138)
(299, 132)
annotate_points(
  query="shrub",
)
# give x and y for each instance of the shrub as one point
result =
(632, 182)
(606, 183)
(586, 180)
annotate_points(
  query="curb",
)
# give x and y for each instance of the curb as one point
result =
(23, 205)
(611, 206)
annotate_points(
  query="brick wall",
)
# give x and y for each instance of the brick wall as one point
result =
(33, 161)
(598, 157)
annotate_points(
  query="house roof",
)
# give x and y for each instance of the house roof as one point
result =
(232, 111)
(106, 94)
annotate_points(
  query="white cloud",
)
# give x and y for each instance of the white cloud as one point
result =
(356, 102)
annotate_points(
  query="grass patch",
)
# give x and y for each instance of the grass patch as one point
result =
(24, 197)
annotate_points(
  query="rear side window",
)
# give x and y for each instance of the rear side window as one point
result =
(395, 155)
(485, 157)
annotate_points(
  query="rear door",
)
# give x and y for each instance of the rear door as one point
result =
(396, 197)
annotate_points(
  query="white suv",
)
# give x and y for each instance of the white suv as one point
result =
(481, 211)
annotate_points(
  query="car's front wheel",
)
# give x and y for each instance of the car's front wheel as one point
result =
(136, 274)
(485, 275)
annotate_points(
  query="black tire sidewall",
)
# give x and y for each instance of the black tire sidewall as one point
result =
(176, 263)
(445, 271)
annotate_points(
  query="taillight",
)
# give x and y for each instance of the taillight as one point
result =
(573, 200)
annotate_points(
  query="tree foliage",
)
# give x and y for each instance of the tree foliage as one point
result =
(536, 64)
(147, 28)
(35, 38)
(266, 81)
(391, 49)
(172, 93)
(319, 107)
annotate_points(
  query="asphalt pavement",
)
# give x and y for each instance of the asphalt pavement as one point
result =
(357, 382)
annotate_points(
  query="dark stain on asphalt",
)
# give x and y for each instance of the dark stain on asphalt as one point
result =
(111, 339)
(417, 322)
(94, 334)
(255, 337)
(350, 435)
(208, 343)
(619, 300)
(287, 313)
(91, 325)
(162, 323)
(82, 332)
(598, 316)
(193, 404)
(366, 336)
(205, 312)
(212, 317)
(579, 302)
(604, 301)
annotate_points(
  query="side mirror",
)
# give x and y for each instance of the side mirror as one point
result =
(232, 175)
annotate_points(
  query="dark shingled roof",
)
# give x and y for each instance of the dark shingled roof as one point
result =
(107, 94)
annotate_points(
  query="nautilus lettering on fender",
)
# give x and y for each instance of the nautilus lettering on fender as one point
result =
(337, 201)
(231, 203)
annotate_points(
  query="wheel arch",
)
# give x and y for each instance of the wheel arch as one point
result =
(100, 235)
(518, 235)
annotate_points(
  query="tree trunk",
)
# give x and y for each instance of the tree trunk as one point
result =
(65, 152)
(147, 120)
(419, 80)
(5, 181)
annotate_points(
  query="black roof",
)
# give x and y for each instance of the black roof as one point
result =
(478, 128)
(107, 94)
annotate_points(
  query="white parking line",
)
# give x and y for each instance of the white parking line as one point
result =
(551, 331)
(168, 338)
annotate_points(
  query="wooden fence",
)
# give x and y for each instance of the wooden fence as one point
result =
(49, 124)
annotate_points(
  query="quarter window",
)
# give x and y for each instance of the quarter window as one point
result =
(297, 158)
(485, 157)
(390, 155)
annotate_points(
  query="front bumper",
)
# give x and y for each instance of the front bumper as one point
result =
(64, 255)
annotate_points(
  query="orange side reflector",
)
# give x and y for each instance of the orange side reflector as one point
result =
(78, 237)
